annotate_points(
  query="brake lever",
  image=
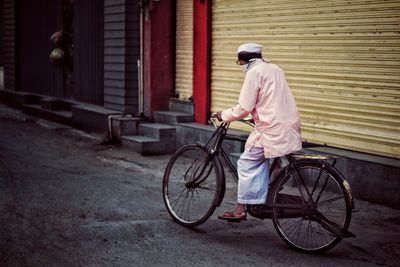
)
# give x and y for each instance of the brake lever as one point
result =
(213, 122)
(249, 121)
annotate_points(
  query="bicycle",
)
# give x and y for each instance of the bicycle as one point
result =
(309, 201)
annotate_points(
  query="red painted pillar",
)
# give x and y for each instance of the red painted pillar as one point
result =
(201, 59)
(158, 52)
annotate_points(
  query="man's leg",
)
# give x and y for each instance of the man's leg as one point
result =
(253, 171)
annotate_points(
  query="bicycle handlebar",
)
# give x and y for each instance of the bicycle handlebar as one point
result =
(248, 120)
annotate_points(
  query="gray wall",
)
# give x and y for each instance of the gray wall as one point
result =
(121, 52)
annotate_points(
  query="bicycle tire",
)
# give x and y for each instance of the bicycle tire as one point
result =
(187, 203)
(317, 227)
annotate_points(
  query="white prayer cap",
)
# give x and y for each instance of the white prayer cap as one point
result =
(250, 48)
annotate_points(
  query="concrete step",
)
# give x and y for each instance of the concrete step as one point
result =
(89, 117)
(159, 131)
(172, 117)
(123, 125)
(151, 139)
(159, 137)
(147, 146)
(60, 116)
(181, 106)
(55, 104)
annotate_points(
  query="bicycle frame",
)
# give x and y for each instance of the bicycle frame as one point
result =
(220, 135)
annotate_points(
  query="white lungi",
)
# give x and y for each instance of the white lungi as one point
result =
(253, 171)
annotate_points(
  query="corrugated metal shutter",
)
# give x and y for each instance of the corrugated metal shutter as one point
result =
(88, 51)
(184, 44)
(9, 39)
(341, 58)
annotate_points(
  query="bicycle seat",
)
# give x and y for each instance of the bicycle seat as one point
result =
(313, 156)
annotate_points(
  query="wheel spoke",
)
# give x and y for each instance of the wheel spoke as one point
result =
(331, 200)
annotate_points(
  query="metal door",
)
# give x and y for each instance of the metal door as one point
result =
(88, 51)
(37, 20)
(341, 58)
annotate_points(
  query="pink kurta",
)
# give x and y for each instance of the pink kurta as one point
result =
(266, 96)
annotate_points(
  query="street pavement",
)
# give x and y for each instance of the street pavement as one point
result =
(66, 199)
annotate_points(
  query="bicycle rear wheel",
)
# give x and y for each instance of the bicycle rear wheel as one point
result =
(191, 185)
(312, 206)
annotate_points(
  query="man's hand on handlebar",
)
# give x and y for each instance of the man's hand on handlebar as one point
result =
(218, 115)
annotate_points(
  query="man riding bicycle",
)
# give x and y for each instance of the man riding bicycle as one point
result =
(266, 96)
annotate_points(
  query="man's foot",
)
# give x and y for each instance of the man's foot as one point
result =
(232, 216)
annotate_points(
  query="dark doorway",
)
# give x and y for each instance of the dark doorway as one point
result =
(1, 32)
(36, 21)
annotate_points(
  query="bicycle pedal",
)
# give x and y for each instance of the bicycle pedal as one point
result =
(232, 219)
(348, 234)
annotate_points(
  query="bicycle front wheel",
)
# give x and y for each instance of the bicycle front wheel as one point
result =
(312, 206)
(191, 185)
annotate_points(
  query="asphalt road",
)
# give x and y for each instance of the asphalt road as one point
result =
(68, 200)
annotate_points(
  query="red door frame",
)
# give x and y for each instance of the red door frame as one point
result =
(201, 59)
(158, 55)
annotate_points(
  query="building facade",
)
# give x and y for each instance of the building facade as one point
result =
(341, 59)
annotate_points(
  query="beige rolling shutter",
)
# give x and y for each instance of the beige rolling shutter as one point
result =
(184, 43)
(341, 58)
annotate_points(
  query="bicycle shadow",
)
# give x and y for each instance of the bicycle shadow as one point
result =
(257, 237)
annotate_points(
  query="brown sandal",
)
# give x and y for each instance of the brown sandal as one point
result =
(231, 216)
